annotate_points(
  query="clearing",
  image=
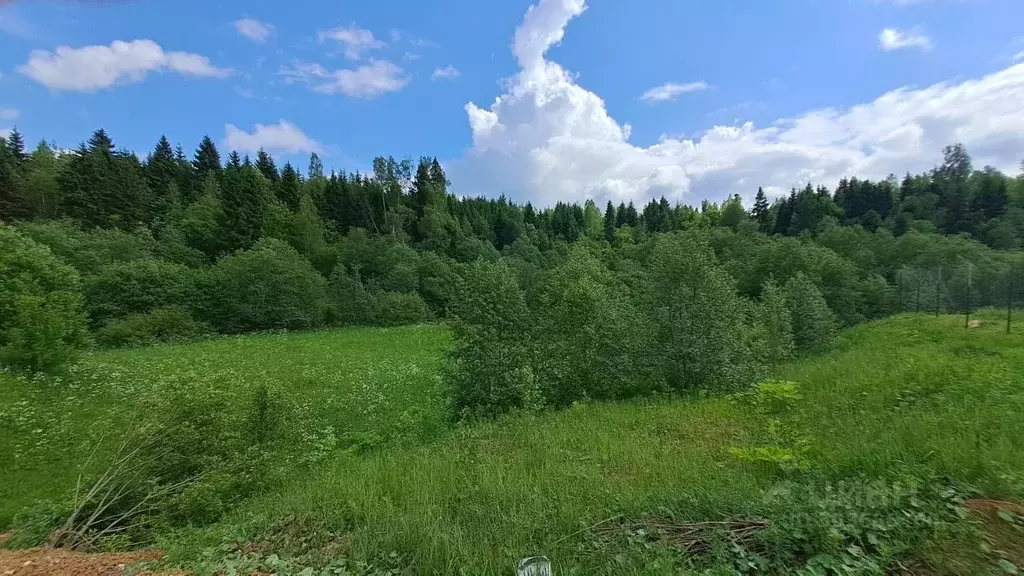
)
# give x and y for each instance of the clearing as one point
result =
(897, 408)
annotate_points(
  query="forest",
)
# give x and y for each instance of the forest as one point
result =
(171, 247)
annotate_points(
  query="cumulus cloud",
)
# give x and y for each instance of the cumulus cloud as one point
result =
(448, 72)
(254, 30)
(93, 68)
(371, 80)
(671, 91)
(354, 39)
(283, 137)
(548, 138)
(9, 114)
(892, 39)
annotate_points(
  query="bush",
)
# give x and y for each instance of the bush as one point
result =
(270, 286)
(399, 309)
(703, 333)
(775, 325)
(160, 325)
(88, 251)
(814, 324)
(138, 287)
(42, 322)
(488, 369)
(590, 340)
(350, 302)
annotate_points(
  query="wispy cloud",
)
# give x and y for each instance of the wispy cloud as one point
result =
(281, 137)
(893, 39)
(354, 39)
(446, 73)
(254, 30)
(368, 81)
(92, 68)
(672, 90)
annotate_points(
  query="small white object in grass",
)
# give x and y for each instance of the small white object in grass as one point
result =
(534, 566)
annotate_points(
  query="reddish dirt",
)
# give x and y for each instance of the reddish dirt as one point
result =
(54, 562)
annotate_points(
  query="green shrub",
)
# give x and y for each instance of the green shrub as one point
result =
(88, 251)
(488, 369)
(701, 321)
(814, 324)
(590, 340)
(775, 325)
(350, 302)
(270, 286)
(399, 309)
(137, 287)
(160, 325)
(42, 322)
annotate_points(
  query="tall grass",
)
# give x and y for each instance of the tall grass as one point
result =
(909, 397)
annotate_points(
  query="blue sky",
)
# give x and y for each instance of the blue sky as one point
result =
(770, 93)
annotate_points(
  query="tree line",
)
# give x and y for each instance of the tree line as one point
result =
(101, 246)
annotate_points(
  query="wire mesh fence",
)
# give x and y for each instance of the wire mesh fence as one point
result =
(961, 287)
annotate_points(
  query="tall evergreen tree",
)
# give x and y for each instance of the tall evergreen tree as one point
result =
(289, 188)
(620, 215)
(609, 222)
(761, 212)
(234, 160)
(16, 147)
(206, 160)
(245, 195)
(265, 164)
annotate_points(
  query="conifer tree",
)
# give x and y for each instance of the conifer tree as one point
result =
(265, 164)
(761, 212)
(290, 187)
(206, 160)
(609, 222)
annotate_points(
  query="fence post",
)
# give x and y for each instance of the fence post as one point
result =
(899, 291)
(1009, 298)
(917, 307)
(967, 304)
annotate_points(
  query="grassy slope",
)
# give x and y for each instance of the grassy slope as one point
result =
(367, 383)
(907, 395)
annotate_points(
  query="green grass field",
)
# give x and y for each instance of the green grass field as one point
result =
(909, 397)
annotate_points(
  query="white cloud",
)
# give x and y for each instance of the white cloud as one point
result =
(92, 68)
(9, 114)
(1018, 56)
(448, 72)
(282, 137)
(356, 40)
(892, 39)
(254, 30)
(672, 90)
(371, 80)
(411, 56)
(548, 138)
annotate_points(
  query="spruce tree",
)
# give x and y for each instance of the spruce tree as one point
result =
(761, 212)
(289, 188)
(620, 215)
(244, 198)
(234, 160)
(609, 222)
(16, 147)
(206, 160)
(265, 164)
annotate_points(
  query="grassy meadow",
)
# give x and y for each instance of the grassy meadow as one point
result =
(905, 402)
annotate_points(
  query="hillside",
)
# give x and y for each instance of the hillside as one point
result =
(912, 412)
